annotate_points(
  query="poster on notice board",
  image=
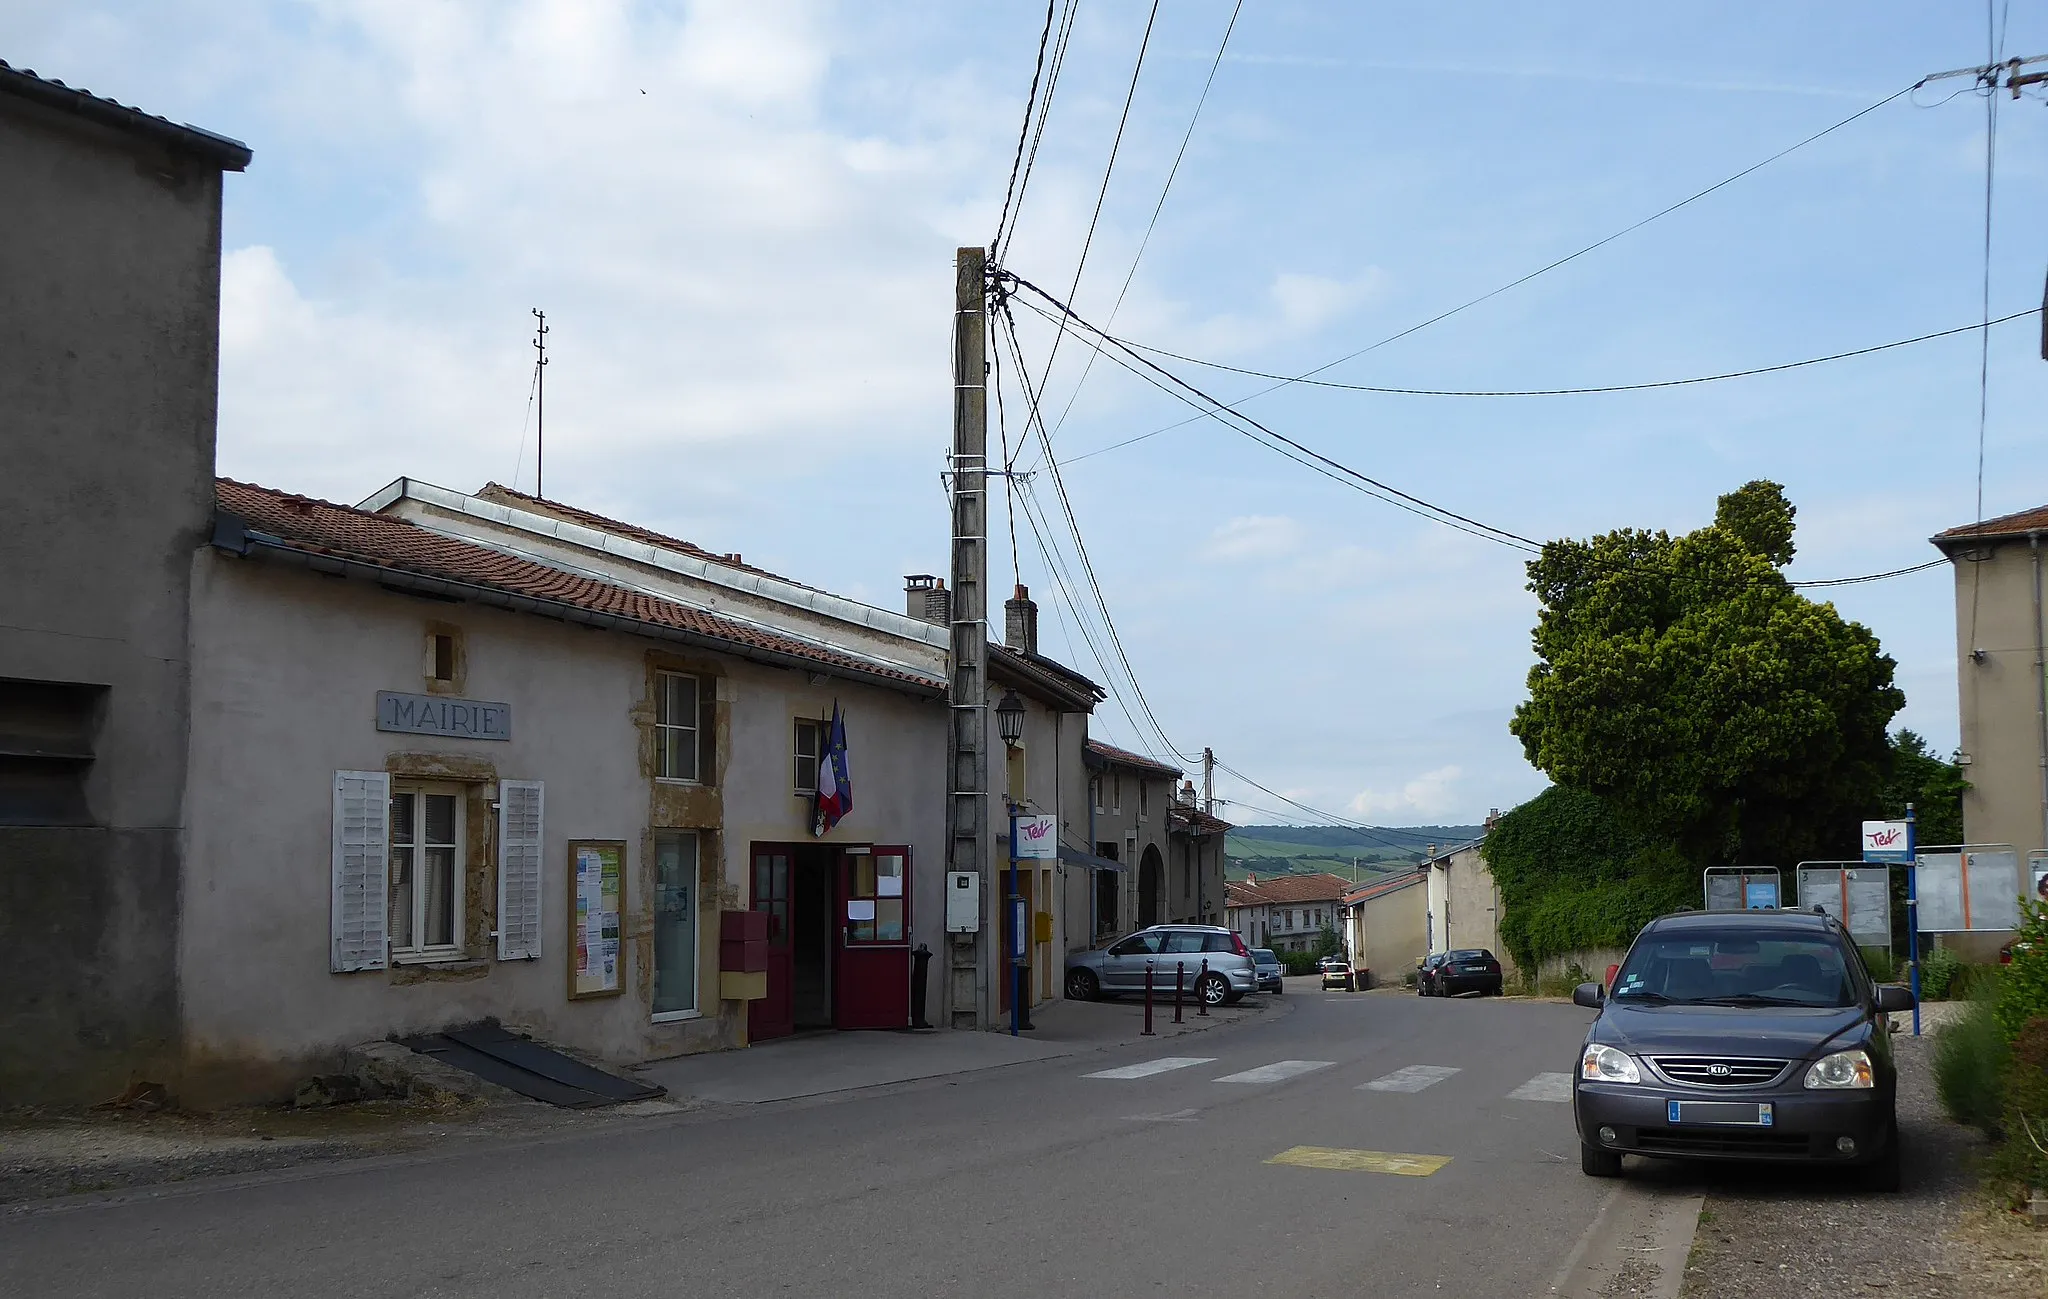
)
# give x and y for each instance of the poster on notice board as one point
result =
(597, 875)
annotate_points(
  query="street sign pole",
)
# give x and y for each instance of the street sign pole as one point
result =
(1016, 937)
(1913, 918)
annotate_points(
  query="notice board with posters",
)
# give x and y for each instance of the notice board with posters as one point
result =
(1961, 889)
(597, 883)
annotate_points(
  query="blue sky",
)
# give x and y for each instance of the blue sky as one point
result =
(741, 219)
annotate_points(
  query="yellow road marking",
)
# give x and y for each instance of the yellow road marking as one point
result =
(1361, 1161)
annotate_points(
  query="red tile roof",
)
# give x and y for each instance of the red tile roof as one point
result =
(1125, 758)
(504, 495)
(2005, 525)
(323, 528)
(1288, 890)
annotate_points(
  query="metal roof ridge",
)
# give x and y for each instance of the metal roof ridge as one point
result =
(725, 615)
(779, 590)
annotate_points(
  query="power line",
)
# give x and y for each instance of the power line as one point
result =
(1101, 195)
(1972, 328)
(1030, 103)
(1037, 416)
(1282, 444)
(1052, 80)
(1550, 266)
(1370, 831)
(1171, 172)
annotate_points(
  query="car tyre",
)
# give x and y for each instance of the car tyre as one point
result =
(1082, 985)
(1882, 1174)
(1595, 1162)
(1214, 989)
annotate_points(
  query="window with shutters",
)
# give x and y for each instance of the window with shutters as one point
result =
(809, 744)
(521, 806)
(676, 726)
(425, 883)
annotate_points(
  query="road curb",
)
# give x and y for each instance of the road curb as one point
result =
(1637, 1244)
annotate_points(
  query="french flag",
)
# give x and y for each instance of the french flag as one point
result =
(835, 790)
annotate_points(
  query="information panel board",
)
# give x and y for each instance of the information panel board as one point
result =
(597, 881)
(1742, 888)
(1859, 896)
(1963, 889)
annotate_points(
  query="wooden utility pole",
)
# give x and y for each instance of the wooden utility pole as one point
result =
(970, 989)
(540, 393)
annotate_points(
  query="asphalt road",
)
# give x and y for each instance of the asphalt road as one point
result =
(1037, 1179)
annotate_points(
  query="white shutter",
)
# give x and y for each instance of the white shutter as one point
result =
(519, 869)
(362, 867)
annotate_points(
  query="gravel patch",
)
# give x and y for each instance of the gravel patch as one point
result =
(45, 1155)
(1768, 1233)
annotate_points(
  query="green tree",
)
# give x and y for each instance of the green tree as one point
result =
(1687, 685)
(1934, 787)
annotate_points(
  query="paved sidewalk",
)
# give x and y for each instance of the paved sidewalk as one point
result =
(816, 1064)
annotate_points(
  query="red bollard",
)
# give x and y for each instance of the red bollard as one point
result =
(1180, 972)
(1148, 1000)
(1201, 1002)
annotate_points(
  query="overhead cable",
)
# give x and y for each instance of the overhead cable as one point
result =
(1239, 422)
(1647, 386)
(1024, 130)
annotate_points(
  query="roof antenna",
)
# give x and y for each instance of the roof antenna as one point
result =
(540, 390)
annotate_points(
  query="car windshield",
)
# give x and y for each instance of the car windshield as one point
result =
(1736, 967)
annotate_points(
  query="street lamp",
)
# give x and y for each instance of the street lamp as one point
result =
(1010, 718)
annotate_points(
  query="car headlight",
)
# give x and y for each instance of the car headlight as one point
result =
(1605, 1064)
(1842, 1069)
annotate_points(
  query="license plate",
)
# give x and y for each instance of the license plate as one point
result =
(1725, 1113)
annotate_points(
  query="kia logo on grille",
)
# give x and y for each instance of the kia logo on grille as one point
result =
(1718, 1070)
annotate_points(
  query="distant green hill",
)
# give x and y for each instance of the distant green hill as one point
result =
(1337, 850)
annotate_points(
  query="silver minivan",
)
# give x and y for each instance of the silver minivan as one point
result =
(1120, 967)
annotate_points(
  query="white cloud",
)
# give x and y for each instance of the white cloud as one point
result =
(1255, 536)
(1428, 796)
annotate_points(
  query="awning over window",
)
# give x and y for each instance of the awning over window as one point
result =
(1075, 857)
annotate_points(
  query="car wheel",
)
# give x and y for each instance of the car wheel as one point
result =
(1214, 989)
(1882, 1174)
(1082, 985)
(1595, 1162)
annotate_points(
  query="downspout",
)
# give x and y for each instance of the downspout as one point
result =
(2040, 680)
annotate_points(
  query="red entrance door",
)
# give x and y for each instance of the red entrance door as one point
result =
(775, 1014)
(871, 957)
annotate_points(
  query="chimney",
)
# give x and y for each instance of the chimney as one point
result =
(1020, 621)
(926, 598)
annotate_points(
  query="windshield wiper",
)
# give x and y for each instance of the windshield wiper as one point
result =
(1751, 999)
(1642, 994)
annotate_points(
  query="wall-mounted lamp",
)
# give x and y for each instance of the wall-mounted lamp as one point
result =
(1010, 718)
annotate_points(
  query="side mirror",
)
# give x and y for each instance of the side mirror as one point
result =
(1590, 995)
(1893, 999)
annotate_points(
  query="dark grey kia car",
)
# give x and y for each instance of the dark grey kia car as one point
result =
(1740, 1035)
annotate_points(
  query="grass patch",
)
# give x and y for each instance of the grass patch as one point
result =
(1969, 1061)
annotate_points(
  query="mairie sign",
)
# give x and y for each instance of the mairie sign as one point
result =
(462, 719)
(1034, 838)
(1887, 841)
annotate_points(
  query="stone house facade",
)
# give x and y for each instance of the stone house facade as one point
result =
(1286, 913)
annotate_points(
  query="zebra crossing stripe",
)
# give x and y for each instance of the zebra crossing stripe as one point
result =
(1279, 1071)
(1544, 1087)
(1166, 1064)
(1411, 1079)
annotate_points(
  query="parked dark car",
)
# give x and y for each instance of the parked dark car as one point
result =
(1425, 974)
(1469, 969)
(1272, 974)
(1741, 1035)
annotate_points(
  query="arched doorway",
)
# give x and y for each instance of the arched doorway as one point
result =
(1149, 872)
